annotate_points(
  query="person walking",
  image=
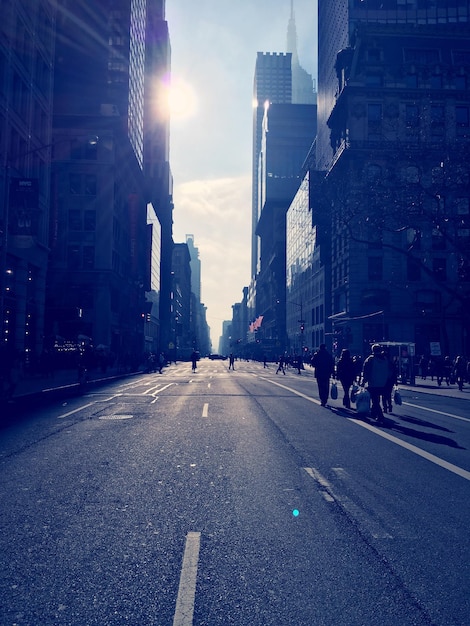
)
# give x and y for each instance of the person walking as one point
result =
(231, 362)
(323, 363)
(376, 374)
(281, 367)
(346, 373)
(390, 384)
(460, 371)
(194, 360)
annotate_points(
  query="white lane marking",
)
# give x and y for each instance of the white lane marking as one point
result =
(205, 410)
(157, 388)
(372, 524)
(208, 385)
(297, 393)
(187, 587)
(426, 455)
(457, 417)
(408, 446)
(85, 406)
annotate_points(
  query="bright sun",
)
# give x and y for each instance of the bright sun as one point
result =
(182, 100)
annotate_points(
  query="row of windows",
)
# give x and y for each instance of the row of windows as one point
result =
(414, 269)
(413, 114)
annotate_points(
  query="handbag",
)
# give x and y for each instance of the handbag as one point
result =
(363, 401)
(397, 397)
(334, 391)
(354, 390)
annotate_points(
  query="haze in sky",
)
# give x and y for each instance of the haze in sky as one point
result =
(214, 46)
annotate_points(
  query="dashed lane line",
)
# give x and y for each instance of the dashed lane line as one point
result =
(187, 587)
(205, 410)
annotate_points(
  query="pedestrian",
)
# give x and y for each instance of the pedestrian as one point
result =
(390, 384)
(265, 361)
(460, 371)
(323, 363)
(448, 369)
(231, 362)
(376, 374)
(281, 366)
(346, 373)
(194, 360)
(161, 362)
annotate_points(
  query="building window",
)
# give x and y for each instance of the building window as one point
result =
(374, 268)
(75, 184)
(75, 220)
(438, 241)
(374, 113)
(462, 116)
(439, 268)
(411, 81)
(413, 269)
(412, 116)
(89, 221)
(460, 82)
(374, 80)
(90, 184)
(88, 257)
(436, 81)
(427, 302)
(437, 117)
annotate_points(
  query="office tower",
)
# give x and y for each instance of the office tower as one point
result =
(272, 84)
(27, 34)
(105, 174)
(279, 79)
(195, 267)
(394, 143)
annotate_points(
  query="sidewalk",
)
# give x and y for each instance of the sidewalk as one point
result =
(61, 384)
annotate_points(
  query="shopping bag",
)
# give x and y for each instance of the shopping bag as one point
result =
(334, 391)
(363, 401)
(354, 390)
(397, 397)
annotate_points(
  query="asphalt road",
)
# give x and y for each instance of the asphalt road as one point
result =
(231, 497)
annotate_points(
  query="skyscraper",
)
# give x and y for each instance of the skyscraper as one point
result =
(279, 79)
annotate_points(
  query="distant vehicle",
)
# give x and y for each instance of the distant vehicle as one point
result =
(215, 357)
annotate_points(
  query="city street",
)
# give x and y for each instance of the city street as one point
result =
(232, 497)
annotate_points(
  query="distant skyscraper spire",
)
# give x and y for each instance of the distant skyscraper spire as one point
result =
(292, 35)
(302, 81)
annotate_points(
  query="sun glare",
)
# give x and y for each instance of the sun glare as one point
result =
(182, 100)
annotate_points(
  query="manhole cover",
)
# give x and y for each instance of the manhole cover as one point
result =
(116, 417)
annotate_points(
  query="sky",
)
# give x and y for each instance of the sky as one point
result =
(214, 44)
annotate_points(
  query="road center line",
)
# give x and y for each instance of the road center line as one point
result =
(457, 417)
(408, 446)
(85, 406)
(205, 410)
(187, 587)
(297, 393)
